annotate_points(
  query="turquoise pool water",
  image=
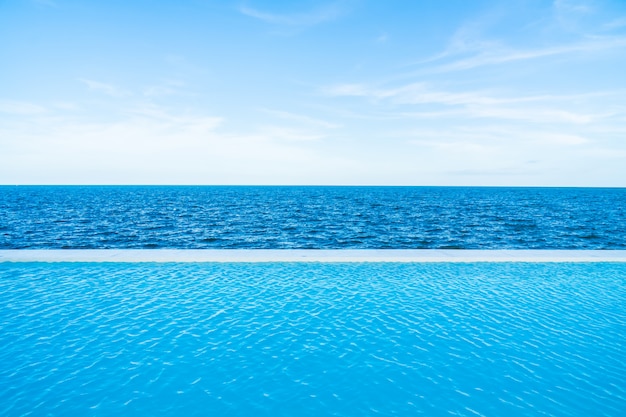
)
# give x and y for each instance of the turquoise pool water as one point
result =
(313, 339)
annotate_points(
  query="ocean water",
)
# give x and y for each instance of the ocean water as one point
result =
(312, 217)
(286, 339)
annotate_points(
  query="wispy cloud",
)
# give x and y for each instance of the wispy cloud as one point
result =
(415, 93)
(476, 104)
(532, 114)
(615, 24)
(152, 144)
(491, 137)
(108, 89)
(301, 118)
(573, 6)
(166, 88)
(20, 107)
(356, 90)
(312, 17)
(567, 27)
(175, 121)
(571, 15)
(382, 38)
(495, 55)
(289, 134)
(48, 3)
(66, 105)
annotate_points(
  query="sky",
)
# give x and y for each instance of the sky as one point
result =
(348, 92)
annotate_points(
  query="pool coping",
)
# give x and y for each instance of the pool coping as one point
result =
(309, 255)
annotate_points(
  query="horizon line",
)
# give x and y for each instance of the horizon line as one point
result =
(313, 255)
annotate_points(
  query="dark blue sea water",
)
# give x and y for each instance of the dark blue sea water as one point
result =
(312, 217)
(488, 339)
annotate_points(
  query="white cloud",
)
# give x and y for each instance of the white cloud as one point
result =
(539, 108)
(564, 139)
(418, 100)
(503, 55)
(357, 90)
(288, 134)
(166, 88)
(571, 27)
(382, 38)
(66, 105)
(152, 145)
(20, 107)
(497, 138)
(530, 114)
(487, 153)
(301, 119)
(573, 6)
(108, 89)
(615, 24)
(308, 18)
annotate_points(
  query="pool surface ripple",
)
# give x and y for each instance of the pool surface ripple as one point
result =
(312, 339)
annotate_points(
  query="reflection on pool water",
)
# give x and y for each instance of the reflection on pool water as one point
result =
(282, 339)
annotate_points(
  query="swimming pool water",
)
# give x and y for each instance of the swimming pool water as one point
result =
(313, 339)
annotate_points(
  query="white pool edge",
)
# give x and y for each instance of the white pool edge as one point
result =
(309, 255)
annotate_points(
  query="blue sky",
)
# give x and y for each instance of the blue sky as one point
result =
(515, 92)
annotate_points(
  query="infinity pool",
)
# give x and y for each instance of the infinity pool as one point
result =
(313, 339)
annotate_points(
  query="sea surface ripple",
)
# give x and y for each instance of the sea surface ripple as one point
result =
(488, 339)
(100, 217)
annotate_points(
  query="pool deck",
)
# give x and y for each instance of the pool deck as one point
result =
(309, 255)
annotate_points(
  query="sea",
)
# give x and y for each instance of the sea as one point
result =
(287, 217)
(311, 338)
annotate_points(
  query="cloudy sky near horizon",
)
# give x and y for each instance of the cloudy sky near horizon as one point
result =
(487, 92)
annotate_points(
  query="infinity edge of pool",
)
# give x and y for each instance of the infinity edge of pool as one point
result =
(308, 255)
